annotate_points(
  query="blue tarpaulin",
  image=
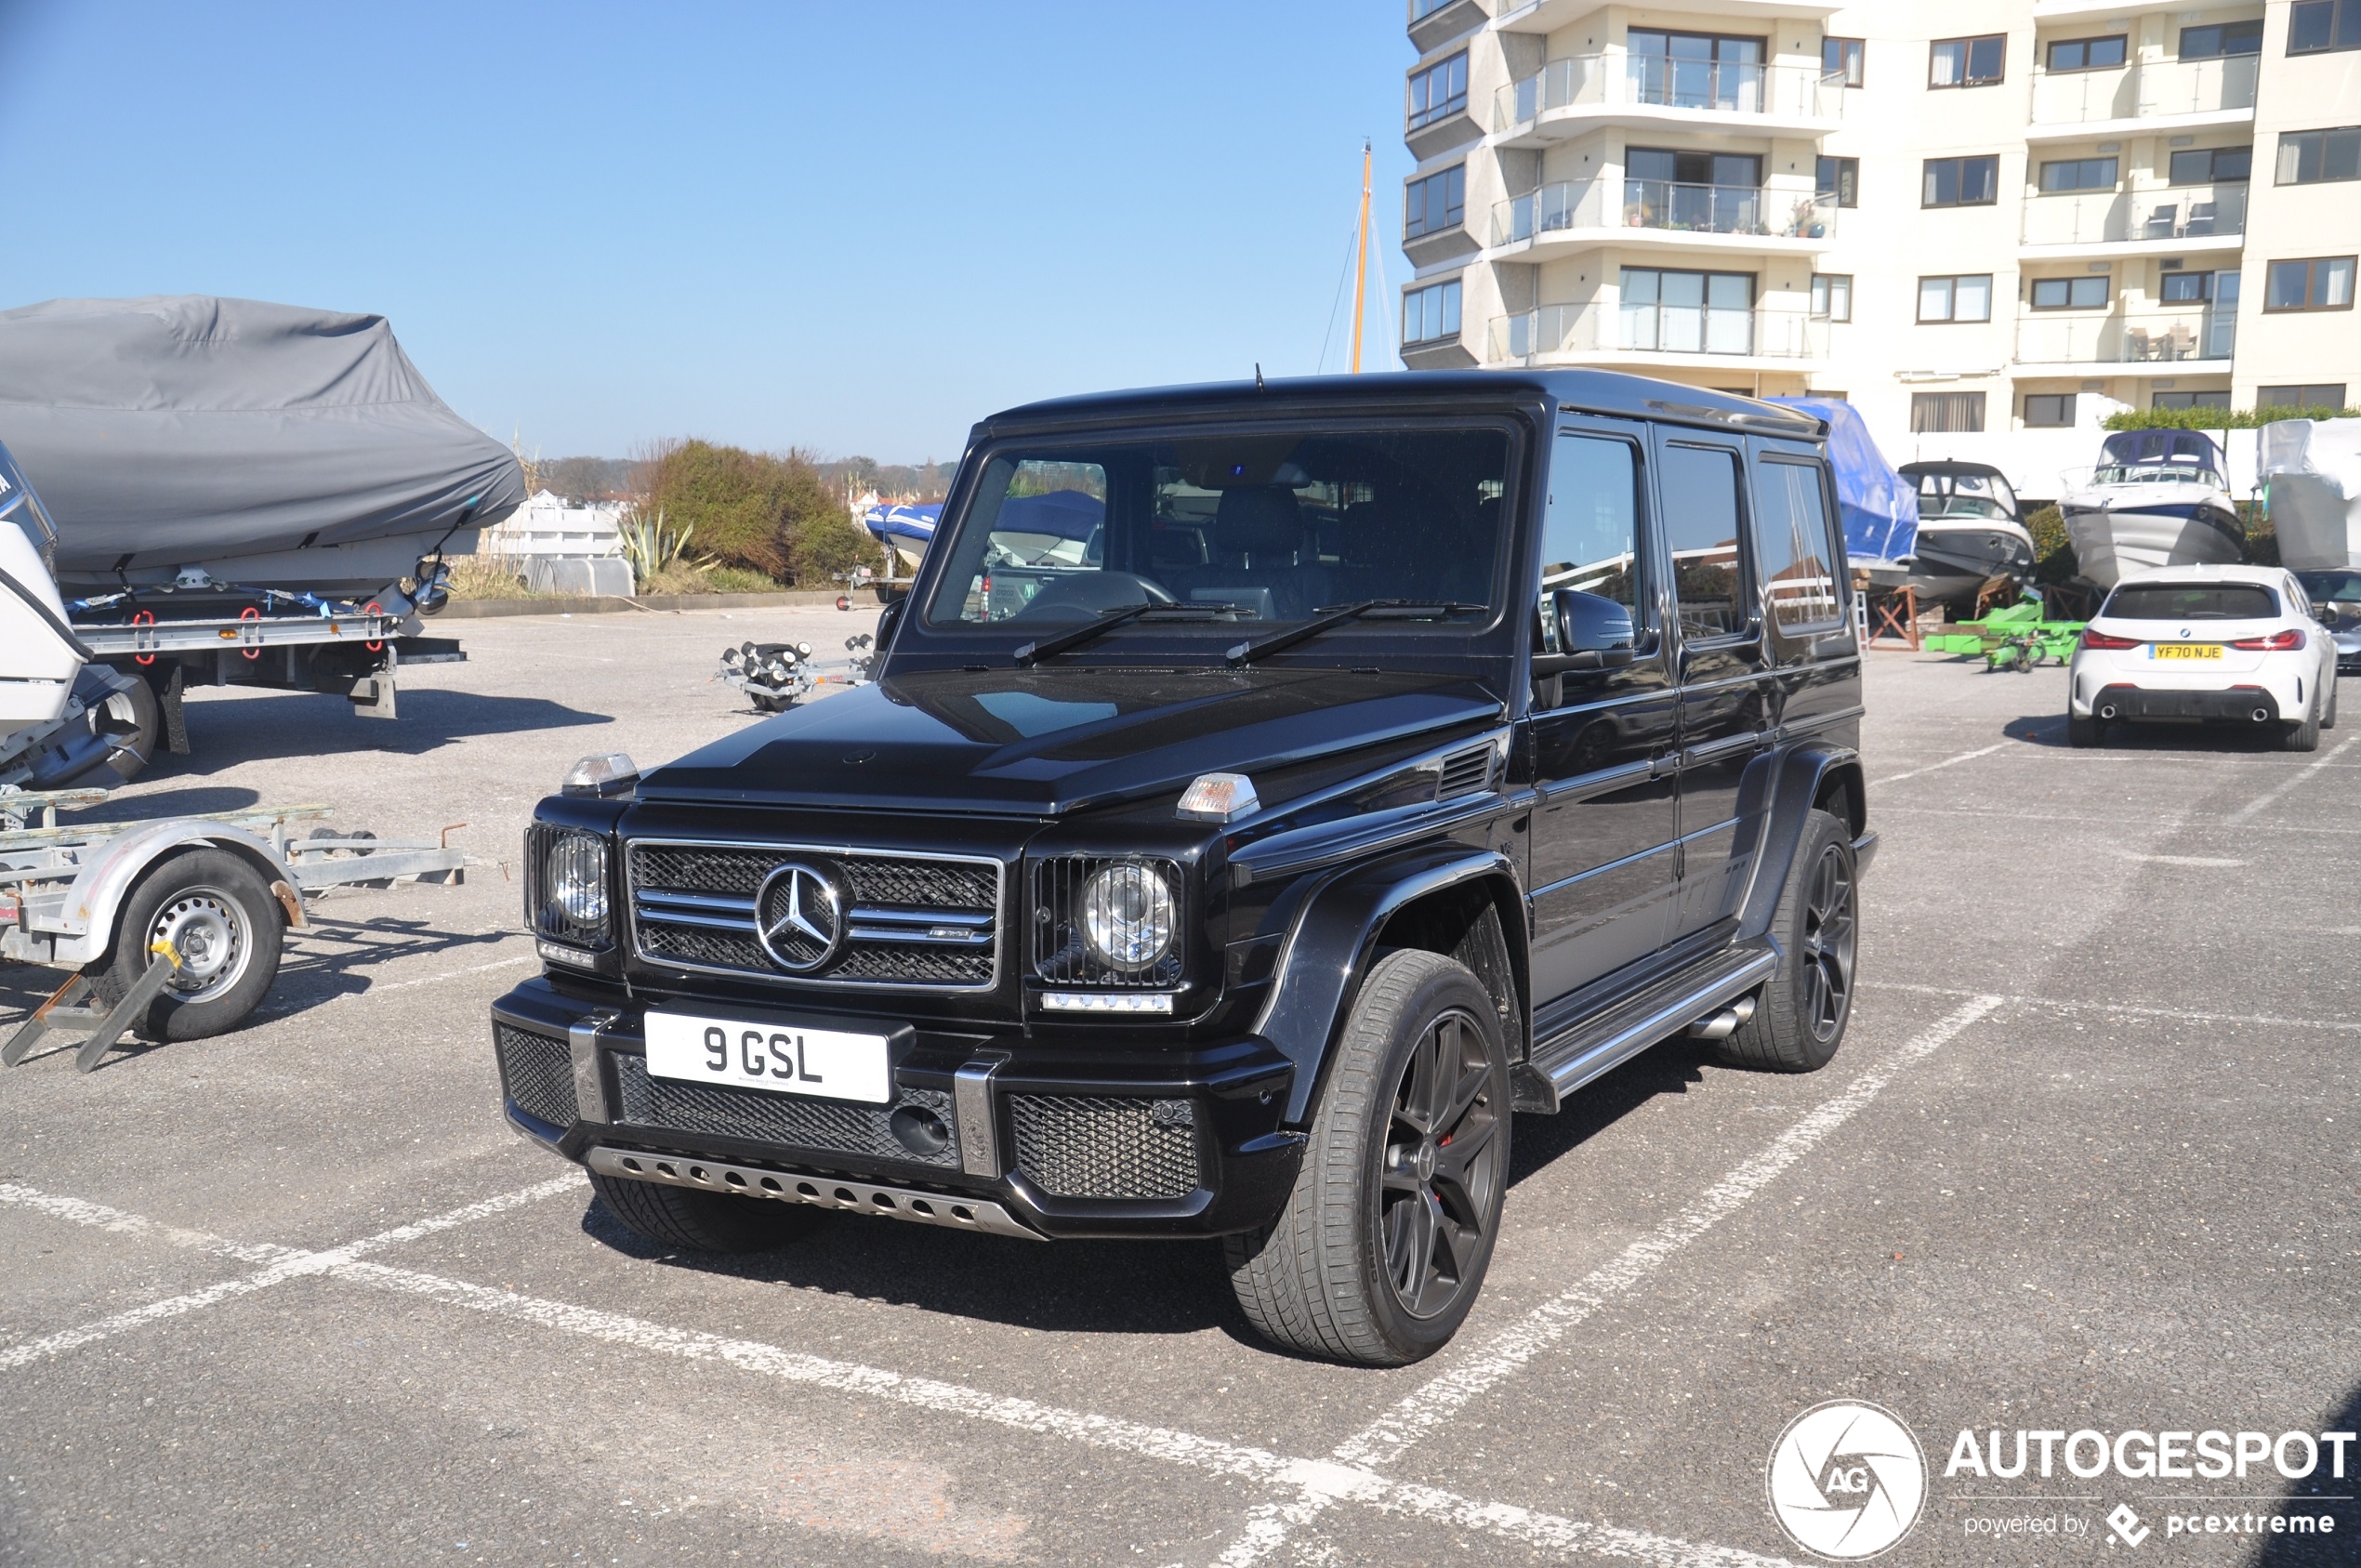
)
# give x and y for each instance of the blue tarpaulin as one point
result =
(1066, 514)
(1881, 507)
(904, 523)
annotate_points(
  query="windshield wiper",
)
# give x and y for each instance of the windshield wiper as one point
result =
(1042, 648)
(1337, 615)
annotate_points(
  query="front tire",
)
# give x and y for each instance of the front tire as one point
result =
(2328, 714)
(228, 927)
(682, 1219)
(1382, 1247)
(1800, 1020)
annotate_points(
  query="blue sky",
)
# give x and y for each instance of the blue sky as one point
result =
(854, 227)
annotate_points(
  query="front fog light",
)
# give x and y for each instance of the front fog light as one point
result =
(576, 880)
(1128, 916)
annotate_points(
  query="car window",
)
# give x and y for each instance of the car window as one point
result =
(1792, 548)
(1701, 530)
(1591, 529)
(1269, 525)
(2192, 602)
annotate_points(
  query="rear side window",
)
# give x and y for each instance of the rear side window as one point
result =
(1701, 529)
(2192, 602)
(1792, 545)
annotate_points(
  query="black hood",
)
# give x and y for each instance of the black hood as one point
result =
(1049, 741)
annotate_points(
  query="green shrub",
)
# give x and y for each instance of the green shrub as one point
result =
(2053, 558)
(2263, 540)
(2216, 418)
(737, 579)
(752, 511)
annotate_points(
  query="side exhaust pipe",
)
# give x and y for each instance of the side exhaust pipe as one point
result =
(1723, 1025)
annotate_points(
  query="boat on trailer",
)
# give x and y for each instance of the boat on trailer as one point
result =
(2156, 499)
(2312, 471)
(1970, 530)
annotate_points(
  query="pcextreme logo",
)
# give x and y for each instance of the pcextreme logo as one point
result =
(1847, 1480)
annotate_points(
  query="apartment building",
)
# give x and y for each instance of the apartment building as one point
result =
(2007, 217)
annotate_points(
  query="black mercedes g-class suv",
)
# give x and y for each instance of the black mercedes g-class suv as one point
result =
(1264, 791)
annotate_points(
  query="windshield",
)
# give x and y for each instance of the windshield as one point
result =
(2192, 602)
(1265, 526)
(1977, 495)
(2155, 473)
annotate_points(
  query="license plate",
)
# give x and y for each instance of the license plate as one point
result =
(2184, 650)
(781, 1057)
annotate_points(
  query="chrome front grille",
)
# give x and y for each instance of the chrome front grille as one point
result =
(906, 921)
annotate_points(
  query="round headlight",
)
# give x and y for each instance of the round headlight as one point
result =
(577, 879)
(1128, 916)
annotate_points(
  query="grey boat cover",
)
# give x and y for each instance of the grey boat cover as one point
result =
(183, 427)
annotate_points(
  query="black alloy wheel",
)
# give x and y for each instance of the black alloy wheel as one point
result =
(1440, 1167)
(1800, 1015)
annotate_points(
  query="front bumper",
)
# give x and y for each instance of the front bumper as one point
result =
(1125, 1139)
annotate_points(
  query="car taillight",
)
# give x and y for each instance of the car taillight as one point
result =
(2100, 639)
(2286, 642)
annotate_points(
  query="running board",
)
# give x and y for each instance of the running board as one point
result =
(1572, 1058)
(863, 1197)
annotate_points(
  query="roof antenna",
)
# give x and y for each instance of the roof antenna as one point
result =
(1258, 376)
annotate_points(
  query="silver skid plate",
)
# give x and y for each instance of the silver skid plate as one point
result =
(862, 1197)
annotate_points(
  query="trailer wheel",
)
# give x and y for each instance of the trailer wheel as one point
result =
(226, 925)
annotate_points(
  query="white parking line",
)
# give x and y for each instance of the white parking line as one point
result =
(2268, 796)
(285, 1263)
(1325, 1478)
(2061, 1004)
(1946, 762)
(452, 974)
(1441, 1398)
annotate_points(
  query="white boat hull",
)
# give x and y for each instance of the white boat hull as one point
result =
(2116, 532)
(37, 657)
(2319, 529)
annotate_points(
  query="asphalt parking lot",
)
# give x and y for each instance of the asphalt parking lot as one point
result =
(2085, 1161)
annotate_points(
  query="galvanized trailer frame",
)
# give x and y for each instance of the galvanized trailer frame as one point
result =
(63, 885)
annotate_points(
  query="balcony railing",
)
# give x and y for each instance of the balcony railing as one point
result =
(2194, 212)
(1653, 80)
(1664, 204)
(2152, 338)
(1759, 333)
(2131, 92)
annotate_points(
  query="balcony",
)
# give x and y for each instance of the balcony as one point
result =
(2195, 92)
(1584, 212)
(1572, 94)
(2192, 218)
(2156, 342)
(1653, 334)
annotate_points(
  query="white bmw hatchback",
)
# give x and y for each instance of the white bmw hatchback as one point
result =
(2234, 644)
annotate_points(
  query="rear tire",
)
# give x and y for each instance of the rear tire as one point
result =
(682, 1219)
(2085, 732)
(1801, 1018)
(1382, 1247)
(2328, 714)
(228, 926)
(2304, 735)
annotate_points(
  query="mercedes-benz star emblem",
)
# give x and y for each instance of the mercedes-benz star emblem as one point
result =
(800, 916)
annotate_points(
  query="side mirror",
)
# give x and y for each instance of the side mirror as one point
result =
(888, 619)
(1594, 632)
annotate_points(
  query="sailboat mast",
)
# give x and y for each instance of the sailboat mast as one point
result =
(1361, 260)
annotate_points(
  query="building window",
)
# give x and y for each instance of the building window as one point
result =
(2214, 165)
(1946, 412)
(2048, 410)
(2317, 26)
(2079, 174)
(2320, 282)
(1694, 70)
(2217, 39)
(2310, 157)
(1841, 178)
(2186, 288)
(2072, 293)
(2191, 399)
(1434, 204)
(1832, 296)
(1965, 299)
(1430, 315)
(2317, 394)
(1973, 62)
(1842, 56)
(1421, 9)
(1439, 91)
(1688, 312)
(1961, 182)
(2085, 54)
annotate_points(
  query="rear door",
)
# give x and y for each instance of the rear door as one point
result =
(1720, 661)
(1601, 856)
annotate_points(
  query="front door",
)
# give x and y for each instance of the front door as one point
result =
(1724, 693)
(1600, 866)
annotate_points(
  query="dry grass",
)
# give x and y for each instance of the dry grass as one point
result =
(486, 576)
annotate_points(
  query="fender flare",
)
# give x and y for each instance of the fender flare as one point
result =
(1801, 775)
(95, 897)
(1328, 945)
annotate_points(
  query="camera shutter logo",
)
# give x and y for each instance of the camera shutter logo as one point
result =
(1847, 1480)
(800, 916)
